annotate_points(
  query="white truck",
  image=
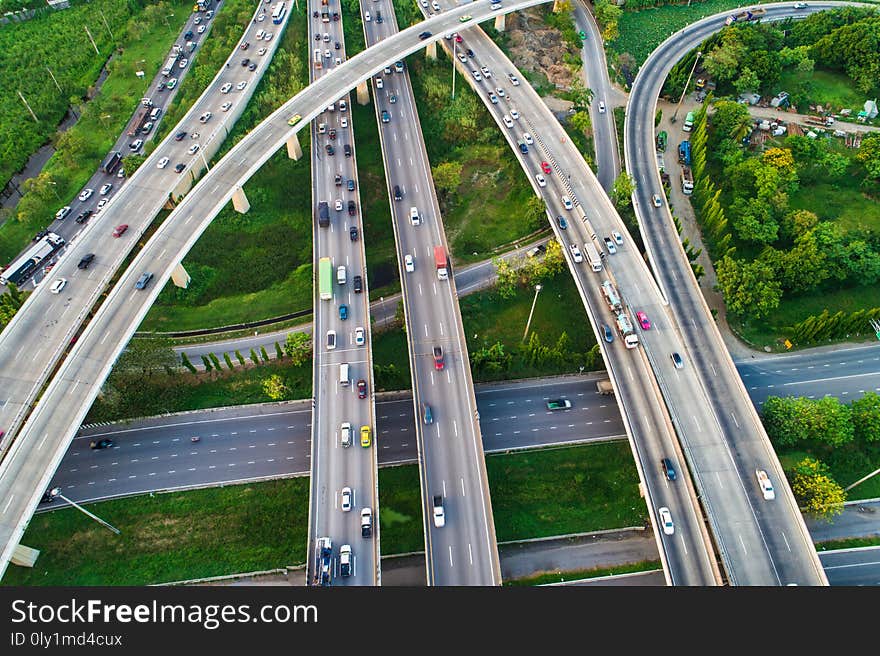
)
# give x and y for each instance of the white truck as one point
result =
(625, 330)
(593, 256)
(612, 298)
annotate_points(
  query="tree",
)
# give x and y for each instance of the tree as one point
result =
(263, 355)
(778, 416)
(186, 363)
(623, 189)
(535, 213)
(215, 361)
(207, 363)
(607, 15)
(747, 81)
(723, 62)
(818, 493)
(254, 358)
(753, 221)
(240, 357)
(228, 361)
(869, 155)
(731, 120)
(447, 176)
(298, 347)
(749, 288)
(866, 417)
(580, 95)
(580, 121)
(506, 278)
(274, 387)
(279, 353)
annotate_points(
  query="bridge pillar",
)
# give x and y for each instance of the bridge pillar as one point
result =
(24, 556)
(180, 277)
(499, 22)
(363, 93)
(555, 6)
(431, 51)
(294, 150)
(240, 202)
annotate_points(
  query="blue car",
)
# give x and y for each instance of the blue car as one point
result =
(609, 336)
(563, 224)
(343, 312)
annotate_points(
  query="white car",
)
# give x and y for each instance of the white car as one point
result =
(183, 63)
(434, 5)
(346, 499)
(408, 263)
(338, 205)
(542, 182)
(656, 200)
(226, 87)
(576, 253)
(617, 237)
(345, 433)
(612, 249)
(359, 336)
(327, 53)
(337, 61)
(101, 204)
(201, 29)
(241, 85)
(477, 76)
(58, 285)
(120, 173)
(204, 118)
(486, 71)
(86, 194)
(528, 138)
(507, 121)
(64, 211)
(500, 92)
(331, 340)
(766, 485)
(566, 203)
(424, 3)
(135, 145)
(197, 20)
(462, 58)
(261, 52)
(105, 189)
(379, 83)
(514, 114)
(800, 5)
(367, 16)
(666, 520)
(225, 106)
(193, 149)
(343, 122)
(268, 36)
(601, 107)
(162, 163)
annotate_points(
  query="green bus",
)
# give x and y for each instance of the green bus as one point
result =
(325, 278)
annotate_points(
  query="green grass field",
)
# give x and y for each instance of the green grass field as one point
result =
(400, 508)
(171, 537)
(823, 88)
(841, 200)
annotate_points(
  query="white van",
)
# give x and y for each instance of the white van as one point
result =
(259, 34)
(155, 113)
(414, 216)
(340, 274)
(343, 374)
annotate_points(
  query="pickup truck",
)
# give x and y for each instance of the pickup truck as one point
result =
(558, 404)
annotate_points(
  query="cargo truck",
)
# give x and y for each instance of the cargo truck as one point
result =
(611, 296)
(748, 15)
(625, 330)
(661, 141)
(112, 162)
(593, 256)
(688, 122)
(441, 261)
(604, 387)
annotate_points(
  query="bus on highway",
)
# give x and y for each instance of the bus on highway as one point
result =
(325, 278)
(21, 269)
(278, 12)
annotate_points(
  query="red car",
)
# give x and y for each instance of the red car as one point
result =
(643, 320)
(545, 167)
(458, 38)
(438, 358)
(117, 232)
(362, 389)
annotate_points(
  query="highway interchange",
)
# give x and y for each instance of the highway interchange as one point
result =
(582, 188)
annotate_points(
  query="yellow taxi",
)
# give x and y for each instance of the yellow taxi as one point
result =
(365, 436)
(293, 120)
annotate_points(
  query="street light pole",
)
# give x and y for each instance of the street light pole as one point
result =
(686, 84)
(454, 44)
(529, 322)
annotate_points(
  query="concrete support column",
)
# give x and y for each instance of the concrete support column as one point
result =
(24, 556)
(363, 93)
(180, 277)
(240, 202)
(499, 22)
(431, 50)
(294, 150)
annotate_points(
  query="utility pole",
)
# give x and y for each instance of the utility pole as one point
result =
(529, 322)
(56, 492)
(36, 120)
(53, 79)
(686, 84)
(106, 24)
(86, 27)
(454, 44)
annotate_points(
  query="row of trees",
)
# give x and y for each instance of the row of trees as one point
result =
(10, 303)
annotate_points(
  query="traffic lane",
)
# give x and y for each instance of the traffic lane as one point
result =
(859, 566)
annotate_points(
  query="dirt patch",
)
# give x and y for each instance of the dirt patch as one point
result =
(538, 48)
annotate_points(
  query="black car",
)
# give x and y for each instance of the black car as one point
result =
(336, 46)
(379, 18)
(179, 167)
(104, 443)
(161, 86)
(245, 61)
(347, 149)
(353, 233)
(350, 184)
(40, 235)
(425, 35)
(188, 35)
(179, 136)
(83, 216)
(470, 53)
(329, 149)
(337, 179)
(252, 66)
(86, 261)
(352, 208)
(358, 284)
